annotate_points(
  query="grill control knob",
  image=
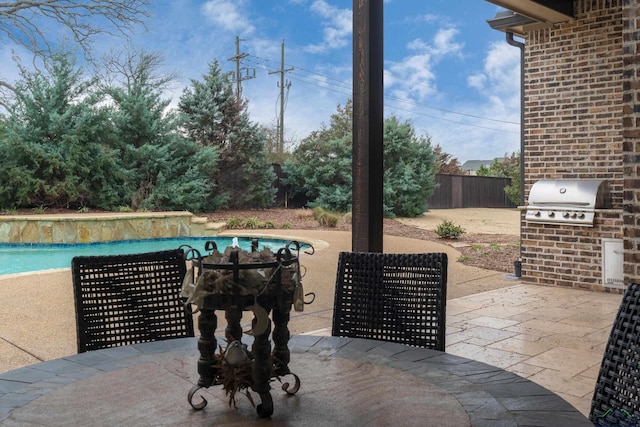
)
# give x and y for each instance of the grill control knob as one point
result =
(565, 215)
(537, 213)
(581, 215)
(574, 215)
(552, 214)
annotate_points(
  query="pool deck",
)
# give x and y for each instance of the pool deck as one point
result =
(553, 336)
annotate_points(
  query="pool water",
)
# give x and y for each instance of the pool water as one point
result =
(21, 258)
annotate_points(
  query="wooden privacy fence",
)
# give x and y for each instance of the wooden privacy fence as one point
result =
(469, 191)
(452, 191)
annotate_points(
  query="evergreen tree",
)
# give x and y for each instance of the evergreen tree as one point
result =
(56, 146)
(168, 171)
(323, 167)
(409, 169)
(214, 117)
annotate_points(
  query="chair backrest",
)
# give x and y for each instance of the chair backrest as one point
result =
(392, 297)
(129, 299)
(616, 399)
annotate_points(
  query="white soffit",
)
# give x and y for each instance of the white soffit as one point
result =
(533, 10)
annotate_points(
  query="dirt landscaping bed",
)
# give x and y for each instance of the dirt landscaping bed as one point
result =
(495, 252)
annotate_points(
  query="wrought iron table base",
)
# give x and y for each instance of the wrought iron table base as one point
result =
(265, 364)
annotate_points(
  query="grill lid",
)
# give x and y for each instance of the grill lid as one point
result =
(579, 193)
(567, 201)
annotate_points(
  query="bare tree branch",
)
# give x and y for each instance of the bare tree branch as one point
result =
(84, 19)
(6, 90)
(21, 22)
(130, 66)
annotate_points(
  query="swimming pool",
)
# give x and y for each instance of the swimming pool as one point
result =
(21, 258)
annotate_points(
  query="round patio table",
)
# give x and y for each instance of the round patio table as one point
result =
(344, 381)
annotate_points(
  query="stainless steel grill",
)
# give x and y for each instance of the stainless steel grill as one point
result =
(570, 202)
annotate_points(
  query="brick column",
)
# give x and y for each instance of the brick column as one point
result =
(631, 139)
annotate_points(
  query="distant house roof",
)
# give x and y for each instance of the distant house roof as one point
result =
(474, 165)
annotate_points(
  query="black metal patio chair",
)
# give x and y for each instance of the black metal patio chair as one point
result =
(392, 297)
(129, 299)
(616, 400)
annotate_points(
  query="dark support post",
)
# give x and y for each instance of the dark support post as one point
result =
(368, 122)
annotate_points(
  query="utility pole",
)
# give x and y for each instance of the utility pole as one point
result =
(282, 71)
(249, 73)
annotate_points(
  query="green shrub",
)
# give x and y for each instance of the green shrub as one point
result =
(317, 212)
(253, 223)
(125, 209)
(326, 218)
(329, 219)
(304, 213)
(287, 225)
(234, 223)
(448, 230)
(39, 210)
(249, 223)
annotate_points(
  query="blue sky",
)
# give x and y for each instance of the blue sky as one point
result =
(446, 70)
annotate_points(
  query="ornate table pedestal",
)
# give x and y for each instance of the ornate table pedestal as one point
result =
(257, 367)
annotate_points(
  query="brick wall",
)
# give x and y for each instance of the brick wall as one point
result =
(631, 139)
(574, 130)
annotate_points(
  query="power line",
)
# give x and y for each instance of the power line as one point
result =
(346, 86)
(414, 112)
(417, 113)
(342, 82)
(411, 102)
(457, 95)
(298, 68)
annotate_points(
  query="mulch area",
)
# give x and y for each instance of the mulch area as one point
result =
(495, 252)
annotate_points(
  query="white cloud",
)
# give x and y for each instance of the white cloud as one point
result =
(429, 18)
(337, 24)
(229, 15)
(444, 43)
(414, 76)
(499, 80)
(468, 128)
(498, 133)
